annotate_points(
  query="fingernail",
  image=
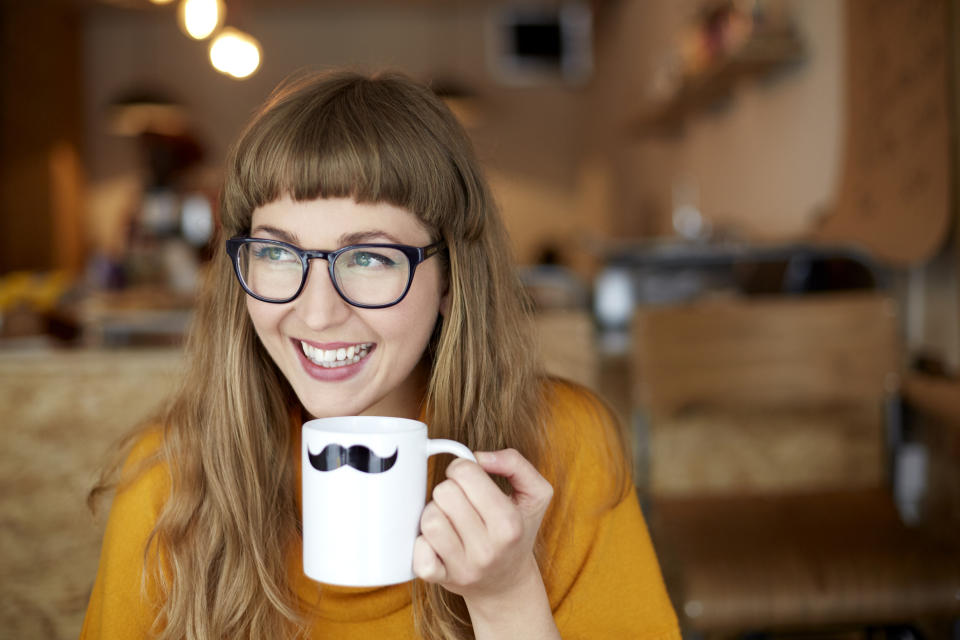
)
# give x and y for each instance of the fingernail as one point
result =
(484, 456)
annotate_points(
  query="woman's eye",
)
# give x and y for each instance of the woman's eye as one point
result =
(273, 254)
(370, 259)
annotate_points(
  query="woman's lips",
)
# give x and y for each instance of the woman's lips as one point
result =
(332, 361)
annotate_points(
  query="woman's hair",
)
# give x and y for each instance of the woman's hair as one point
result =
(226, 531)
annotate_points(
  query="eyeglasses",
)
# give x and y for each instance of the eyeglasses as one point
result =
(369, 276)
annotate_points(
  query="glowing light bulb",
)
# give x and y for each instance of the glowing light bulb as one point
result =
(235, 53)
(200, 18)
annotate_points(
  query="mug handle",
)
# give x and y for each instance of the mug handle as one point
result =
(448, 446)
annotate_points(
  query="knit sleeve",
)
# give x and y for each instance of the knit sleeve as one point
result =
(121, 605)
(601, 572)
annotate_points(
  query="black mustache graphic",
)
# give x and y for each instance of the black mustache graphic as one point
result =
(358, 456)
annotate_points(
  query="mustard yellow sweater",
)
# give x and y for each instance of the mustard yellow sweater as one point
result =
(602, 576)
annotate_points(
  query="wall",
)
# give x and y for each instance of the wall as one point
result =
(529, 138)
(771, 162)
(765, 166)
(40, 137)
(564, 163)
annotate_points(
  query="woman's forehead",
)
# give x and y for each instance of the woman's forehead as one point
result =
(325, 222)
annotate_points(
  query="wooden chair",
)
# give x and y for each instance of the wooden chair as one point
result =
(566, 343)
(766, 472)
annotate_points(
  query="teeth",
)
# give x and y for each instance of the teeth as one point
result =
(332, 358)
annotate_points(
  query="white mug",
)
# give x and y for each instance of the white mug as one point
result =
(364, 489)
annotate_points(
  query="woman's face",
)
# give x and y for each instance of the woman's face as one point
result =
(305, 335)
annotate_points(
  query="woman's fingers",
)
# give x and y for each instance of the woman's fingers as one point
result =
(452, 499)
(437, 545)
(506, 518)
(474, 538)
(427, 565)
(532, 492)
(484, 495)
(437, 529)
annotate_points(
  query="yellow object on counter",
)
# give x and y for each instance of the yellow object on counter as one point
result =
(38, 290)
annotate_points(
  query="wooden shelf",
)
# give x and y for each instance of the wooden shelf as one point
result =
(760, 57)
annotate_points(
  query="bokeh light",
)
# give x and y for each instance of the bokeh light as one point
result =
(199, 19)
(235, 53)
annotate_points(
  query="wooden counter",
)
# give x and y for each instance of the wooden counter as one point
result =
(61, 412)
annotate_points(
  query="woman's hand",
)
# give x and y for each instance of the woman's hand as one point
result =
(478, 542)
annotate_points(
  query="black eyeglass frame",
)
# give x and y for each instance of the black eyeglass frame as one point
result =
(415, 255)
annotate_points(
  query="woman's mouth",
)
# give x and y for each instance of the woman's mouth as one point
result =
(340, 356)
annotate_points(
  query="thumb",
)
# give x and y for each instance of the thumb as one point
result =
(527, 483)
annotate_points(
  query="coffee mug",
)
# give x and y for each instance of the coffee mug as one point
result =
(364, 489)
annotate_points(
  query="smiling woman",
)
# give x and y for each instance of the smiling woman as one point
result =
(419, 315)
(330, 314)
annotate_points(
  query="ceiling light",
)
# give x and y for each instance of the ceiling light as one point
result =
(200, 18)
(235, 53)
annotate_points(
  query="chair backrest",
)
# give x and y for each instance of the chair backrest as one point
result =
(766, 395)
(568, 346)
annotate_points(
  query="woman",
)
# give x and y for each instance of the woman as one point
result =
(541, 537)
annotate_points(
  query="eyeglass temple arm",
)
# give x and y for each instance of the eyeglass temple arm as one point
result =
(433, 249)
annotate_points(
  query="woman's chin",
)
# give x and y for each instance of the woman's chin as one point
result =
(327, 411)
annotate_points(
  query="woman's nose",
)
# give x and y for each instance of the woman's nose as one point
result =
(319, 305)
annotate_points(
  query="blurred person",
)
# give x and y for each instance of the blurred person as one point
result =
(542, 537)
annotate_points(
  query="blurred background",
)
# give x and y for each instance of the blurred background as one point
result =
(737, 220)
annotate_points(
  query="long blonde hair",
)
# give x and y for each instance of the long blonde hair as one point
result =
(225, 531)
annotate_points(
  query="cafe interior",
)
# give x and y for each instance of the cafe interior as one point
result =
(737, 221)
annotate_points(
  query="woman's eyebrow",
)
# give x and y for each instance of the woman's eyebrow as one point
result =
(280, 234)
(355, 237)
(373, 235)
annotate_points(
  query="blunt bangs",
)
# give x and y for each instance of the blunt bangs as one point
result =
(380, 139)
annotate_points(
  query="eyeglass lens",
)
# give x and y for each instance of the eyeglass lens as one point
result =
(365, 275)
